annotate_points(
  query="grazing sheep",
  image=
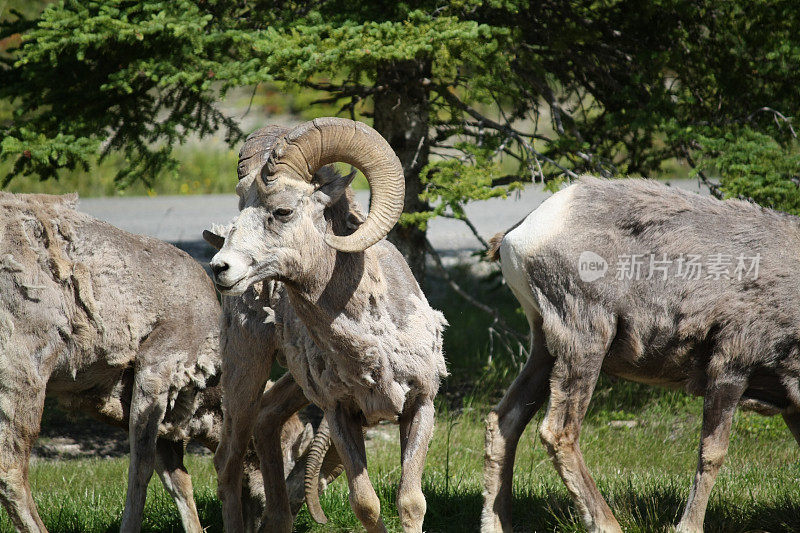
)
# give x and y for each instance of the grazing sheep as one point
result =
(357, 334)
(118, 326)
(627, 277)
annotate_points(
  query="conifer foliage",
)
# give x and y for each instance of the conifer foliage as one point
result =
(476, 96)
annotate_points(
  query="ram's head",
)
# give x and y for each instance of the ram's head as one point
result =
(287, 220)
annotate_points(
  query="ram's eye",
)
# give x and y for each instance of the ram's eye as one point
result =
(283, 212)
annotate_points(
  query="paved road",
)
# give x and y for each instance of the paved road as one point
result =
(182, 219)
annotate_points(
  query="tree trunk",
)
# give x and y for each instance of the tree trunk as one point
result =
(401, 116)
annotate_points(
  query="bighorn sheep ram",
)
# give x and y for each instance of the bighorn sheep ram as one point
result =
(358, 336)
(123, 328)
(702, 297)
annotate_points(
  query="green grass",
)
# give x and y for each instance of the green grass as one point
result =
(88, 495)
(210, 170)
(644, 472)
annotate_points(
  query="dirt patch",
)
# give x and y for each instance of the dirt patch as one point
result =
(380, 434)
(75, 436)
(109, 442)
(72, 448)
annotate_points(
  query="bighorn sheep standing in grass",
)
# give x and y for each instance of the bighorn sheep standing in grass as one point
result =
(250, 343)
(121, 327)
(358, 335)
(627, 277)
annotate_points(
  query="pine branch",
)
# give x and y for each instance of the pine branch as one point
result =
(713, 188)
(489, 123)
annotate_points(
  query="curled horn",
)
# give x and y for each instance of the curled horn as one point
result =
(323, 141)
(317, 455)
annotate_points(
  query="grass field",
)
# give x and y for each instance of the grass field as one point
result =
(644, 472)
(644, 466)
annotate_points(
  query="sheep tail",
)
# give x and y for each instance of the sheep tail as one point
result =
(493, 253)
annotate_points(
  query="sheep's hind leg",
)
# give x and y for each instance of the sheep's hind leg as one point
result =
(572, 382)
(793, 422)
(348, 438)
(178, 482)
(243, 385)
(416, 430)
(18, 431)
(721, 399)
(278, 404)
(504, 427)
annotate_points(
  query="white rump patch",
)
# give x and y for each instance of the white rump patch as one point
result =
(544, 224)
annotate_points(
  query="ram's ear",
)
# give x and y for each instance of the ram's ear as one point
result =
(329, 193)
(217, 241)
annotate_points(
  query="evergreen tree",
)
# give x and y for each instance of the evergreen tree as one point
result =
(502, 92)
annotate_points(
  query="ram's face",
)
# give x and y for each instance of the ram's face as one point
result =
(277, 234)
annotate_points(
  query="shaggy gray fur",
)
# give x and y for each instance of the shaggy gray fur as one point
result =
(119, 326)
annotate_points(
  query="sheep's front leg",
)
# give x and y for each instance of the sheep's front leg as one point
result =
(719, 405)
(20, 416)
(178, 482)
(416, 430)
(348, 438)
(571, 385)
(148, 405)
(504, 427)
(278, 404)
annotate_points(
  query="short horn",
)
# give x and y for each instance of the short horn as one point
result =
(323, 141)
(257, 148)
(217, 241)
